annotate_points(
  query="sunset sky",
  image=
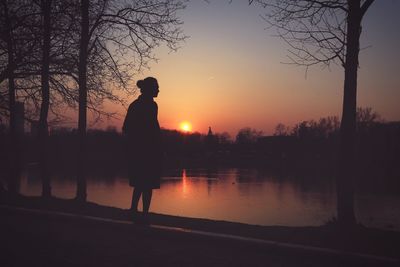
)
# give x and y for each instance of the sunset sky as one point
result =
(229, 73)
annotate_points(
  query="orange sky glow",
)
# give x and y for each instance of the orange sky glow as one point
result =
(229, 73)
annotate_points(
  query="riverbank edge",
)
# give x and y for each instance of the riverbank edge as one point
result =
(359, 239)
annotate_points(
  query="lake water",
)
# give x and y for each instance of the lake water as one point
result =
(239, 195)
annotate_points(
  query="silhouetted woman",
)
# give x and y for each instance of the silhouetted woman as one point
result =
(144, 145)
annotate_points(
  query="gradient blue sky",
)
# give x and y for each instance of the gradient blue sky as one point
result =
(229, 74)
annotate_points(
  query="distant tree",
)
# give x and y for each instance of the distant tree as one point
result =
(329, 126)
(302, 129)
(281, 130)
(323, 32)
(324, 128)
(223, 138)
(366, 118)
(247, 136)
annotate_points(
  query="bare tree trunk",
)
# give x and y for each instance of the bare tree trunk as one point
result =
(44, 108)
(14, 142)
(82, 68)
(345, 179)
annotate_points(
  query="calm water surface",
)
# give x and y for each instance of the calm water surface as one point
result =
(238, 195)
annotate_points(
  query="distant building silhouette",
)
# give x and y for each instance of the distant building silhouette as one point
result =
(210, 133)
(211, 141)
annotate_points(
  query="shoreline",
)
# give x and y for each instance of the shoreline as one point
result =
(359, 239)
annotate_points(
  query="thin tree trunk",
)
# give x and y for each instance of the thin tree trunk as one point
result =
(345, 179)
(44, 108)
(14, 151)
(82, 68)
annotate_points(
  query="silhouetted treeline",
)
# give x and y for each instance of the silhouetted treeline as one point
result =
(308, 147)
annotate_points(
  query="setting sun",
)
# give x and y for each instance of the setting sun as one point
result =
(185, 126)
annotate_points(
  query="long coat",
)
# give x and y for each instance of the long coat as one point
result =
(143, 143)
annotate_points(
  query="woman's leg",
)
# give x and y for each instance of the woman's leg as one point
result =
(135, 199)
(147, 200)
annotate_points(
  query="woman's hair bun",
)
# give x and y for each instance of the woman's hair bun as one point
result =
(140, 84)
